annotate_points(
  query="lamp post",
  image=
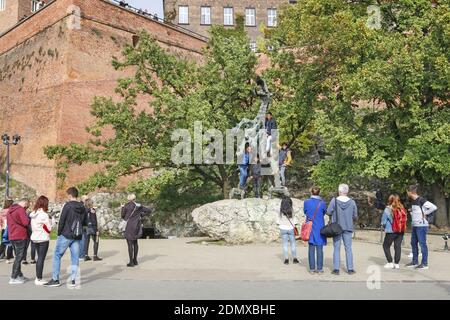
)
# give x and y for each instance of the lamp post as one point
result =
(15, 141)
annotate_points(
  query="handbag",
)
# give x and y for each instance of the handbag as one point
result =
(123, 224)
(296, 233)
(307, 226)
(332, 229)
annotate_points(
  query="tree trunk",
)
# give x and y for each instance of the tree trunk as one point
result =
(441, 202)
(226, 187)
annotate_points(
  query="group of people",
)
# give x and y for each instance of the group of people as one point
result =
(20, 228)
(252, 169)
(76, 227)
(343, 211)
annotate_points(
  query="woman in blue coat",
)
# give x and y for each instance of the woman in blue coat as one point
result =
(316, 240)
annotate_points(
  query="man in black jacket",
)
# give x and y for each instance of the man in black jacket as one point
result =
(70, 229)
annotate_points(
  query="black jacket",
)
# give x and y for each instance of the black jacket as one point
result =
(133, 231)
(91, 221)
(72, 211)
(270, 125)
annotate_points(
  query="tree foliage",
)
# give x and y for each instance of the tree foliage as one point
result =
(379, 97)
(217, 91)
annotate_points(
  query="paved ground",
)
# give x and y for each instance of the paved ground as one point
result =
(180, 269)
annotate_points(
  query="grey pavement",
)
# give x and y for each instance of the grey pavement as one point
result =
(186, 269)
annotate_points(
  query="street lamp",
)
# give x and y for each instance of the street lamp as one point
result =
(15, 141)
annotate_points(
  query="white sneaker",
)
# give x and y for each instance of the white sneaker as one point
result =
(396, 266)
(389, 265)
(8, 261)
(39, 282)
(16, 281)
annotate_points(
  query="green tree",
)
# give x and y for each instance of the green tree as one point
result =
(218, 91)
(378, 95)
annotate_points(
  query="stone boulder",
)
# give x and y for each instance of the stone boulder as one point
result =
(243, 221)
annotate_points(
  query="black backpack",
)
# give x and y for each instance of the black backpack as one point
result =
(286, 206)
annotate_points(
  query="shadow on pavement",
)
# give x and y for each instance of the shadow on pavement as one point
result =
(150, 257)
(101, 275)
(108, 254)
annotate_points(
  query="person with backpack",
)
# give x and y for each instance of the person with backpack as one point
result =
(70, 229)
(394, 224)
(343, 211)
(18, 223)
(287, 224)
(421, 211)
(132, 213)
(3, 214)
(41, 226)
(91, 231)
(284, 160)
(315, 209)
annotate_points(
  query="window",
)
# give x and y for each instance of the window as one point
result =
(271, 17)
(2, 5)
(183, 15)
(205, 13)
(34, 5)
(227, 16)
(250, 14)
(253, 46)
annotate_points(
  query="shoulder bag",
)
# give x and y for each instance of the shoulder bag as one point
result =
(123, 224)
(307, 226)
(332, 229)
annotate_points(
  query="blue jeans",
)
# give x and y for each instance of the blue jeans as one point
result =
(419, 236)
(62, 243)
(346, 236)
(83, 245)
(288, 236)
(312, 257)
(242, 177)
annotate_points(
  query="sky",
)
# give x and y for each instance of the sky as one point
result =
(153, 6)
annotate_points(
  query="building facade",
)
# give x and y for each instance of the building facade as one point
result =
(12, 11)
(199, 15)
(52, 65)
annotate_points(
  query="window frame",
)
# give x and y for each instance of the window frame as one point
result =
(35, 5)
(232, 16)
(254, 16)
(201, 16)
(187, 14)
(274, 21)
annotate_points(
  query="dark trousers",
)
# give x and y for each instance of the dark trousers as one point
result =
(2, 246)
(133, 249)
(41, 249)
(30, 244)
(395, 238)
(9, 252)
(86, 248)
(257, 181)
(19, 248)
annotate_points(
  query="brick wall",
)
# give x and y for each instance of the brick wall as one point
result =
(49, 74)
(9, 16)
